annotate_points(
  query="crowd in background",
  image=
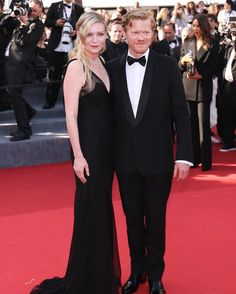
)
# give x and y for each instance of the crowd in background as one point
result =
(211, 95)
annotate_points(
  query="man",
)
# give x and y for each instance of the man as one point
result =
(224, 14)
(148, 96)
(60, 14)
(173, 41)
(114, 44)
(7, 26)
(228, 98)
(24, 40)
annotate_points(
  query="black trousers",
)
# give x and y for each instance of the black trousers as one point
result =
(201, 133)
(229, 112)
(144, 200)
(16, 76)
(56, 63)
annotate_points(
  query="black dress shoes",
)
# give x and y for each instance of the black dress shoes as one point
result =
(48, 106)
(20, 136)
(156, 287)
(131, 286)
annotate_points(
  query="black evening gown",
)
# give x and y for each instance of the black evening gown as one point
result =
(94, 266)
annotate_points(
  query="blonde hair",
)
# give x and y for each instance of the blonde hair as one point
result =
(83, 26)
(141, 14)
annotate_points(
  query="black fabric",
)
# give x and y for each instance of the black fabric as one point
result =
(144, 200)
(114, 50)
(93, 265)
(56, 65)
(229, 113)
(201, 133)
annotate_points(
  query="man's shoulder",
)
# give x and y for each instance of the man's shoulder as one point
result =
(161, 58)
(79, 8)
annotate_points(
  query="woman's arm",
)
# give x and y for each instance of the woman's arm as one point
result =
(73, 83)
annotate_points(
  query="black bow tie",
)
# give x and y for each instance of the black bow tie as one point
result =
(67, 5)
(173, 41)
(141, 60)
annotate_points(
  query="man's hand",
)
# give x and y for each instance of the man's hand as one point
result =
(181, 170)
(73, 33)
(23, 19)
(60, 22)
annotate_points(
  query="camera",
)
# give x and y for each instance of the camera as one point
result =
(21, 8)
(66, 30)
(190, 68)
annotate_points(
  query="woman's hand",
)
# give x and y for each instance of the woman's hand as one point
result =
(186, 59)
(196, 76)
(81, 168)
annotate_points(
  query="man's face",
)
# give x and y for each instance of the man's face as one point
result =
(169, 33)
(35, 10)
(212, 23)
(139, 36)
(116, 33)
(227, 6)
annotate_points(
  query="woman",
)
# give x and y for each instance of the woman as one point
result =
(199, 65)
(114, 45)
(93, 265)
(178, 18)
(190, 11)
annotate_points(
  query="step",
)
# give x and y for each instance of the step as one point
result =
(40, 149)
(37, 125)
(57, 111)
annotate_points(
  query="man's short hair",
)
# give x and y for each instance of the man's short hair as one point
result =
(169, 24)
(138, 14)
(115, 21)
(212, 16)
(38, 2)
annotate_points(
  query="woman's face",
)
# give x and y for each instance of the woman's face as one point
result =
(116, 33)
(95, 39)
(196, 29)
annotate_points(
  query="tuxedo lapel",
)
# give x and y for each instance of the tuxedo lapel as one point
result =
(60, 10)
(145, 88)
(124, 90)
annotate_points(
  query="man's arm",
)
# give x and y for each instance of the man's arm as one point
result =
(29, 34)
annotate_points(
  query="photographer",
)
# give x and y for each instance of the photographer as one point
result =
(7, 26)
(228, 94)
(61, 19)
(19, 51)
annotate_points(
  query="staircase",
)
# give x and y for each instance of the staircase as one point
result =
(49, 142)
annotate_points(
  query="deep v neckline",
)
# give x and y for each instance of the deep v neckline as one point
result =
(108, 91)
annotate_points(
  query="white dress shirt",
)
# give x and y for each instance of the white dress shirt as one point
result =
(135, 75)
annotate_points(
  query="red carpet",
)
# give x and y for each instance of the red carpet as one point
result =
(36, 223)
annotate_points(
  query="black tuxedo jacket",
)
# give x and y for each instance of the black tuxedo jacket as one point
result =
(24, 41)
(54, 13)
(206, 62)
(145, 143)
(227, 54)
